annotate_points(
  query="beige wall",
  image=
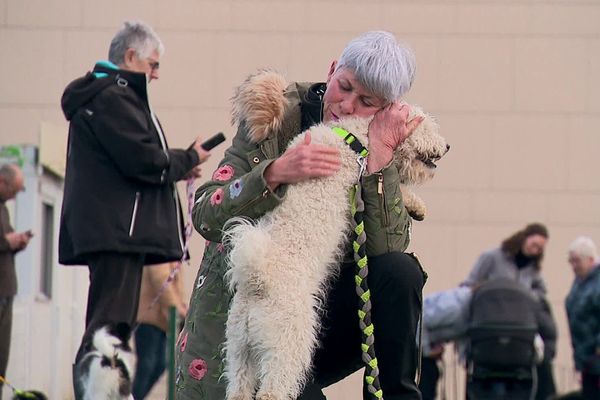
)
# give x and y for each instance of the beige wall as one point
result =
(515, 86)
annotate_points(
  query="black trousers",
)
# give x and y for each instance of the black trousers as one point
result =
(430, 375)
(499, 389)
(114, 292)
(396, 282)
(590, 386)
(545, 384)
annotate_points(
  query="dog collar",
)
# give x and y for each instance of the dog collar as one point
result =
(351, 141)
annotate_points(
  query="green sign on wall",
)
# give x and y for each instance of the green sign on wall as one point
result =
(11, 155)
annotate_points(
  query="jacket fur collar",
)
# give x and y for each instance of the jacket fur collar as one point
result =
(260, 103)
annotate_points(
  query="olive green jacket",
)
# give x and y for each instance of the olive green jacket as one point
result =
(238, 189)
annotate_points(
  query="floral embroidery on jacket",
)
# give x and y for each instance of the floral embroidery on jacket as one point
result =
(183, 342)
(223, 174)
(217, 197)
(235, 188)
(197, 369)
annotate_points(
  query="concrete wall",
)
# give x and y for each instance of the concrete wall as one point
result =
(514, 84)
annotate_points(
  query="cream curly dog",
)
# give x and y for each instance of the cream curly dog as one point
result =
(280, 264)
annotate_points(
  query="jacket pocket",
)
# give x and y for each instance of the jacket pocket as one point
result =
(246, 206)
(382, 202)
(134, 213)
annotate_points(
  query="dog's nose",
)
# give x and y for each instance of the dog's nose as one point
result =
(447, 147)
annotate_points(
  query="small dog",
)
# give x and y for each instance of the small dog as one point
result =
(29, 395)
(105, 372)
(279, 266)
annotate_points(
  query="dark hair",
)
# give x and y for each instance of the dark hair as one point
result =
(512, 245)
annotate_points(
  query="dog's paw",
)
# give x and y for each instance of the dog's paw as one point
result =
(418, 214)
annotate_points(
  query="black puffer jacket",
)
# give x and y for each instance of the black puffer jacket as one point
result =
(119, 185)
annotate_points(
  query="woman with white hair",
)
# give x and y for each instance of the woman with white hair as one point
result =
(369, 80)
(583, 312)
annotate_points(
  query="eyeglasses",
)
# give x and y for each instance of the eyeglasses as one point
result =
(154, 65)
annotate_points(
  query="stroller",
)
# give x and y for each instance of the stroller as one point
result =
(501, 356)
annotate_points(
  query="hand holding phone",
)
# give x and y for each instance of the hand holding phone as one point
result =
(203, 148)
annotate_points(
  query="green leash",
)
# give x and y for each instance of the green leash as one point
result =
(25, 394)
(362, 289)
(359, 242)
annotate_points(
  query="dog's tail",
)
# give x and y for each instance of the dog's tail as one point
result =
(249, 244)
(111, 342)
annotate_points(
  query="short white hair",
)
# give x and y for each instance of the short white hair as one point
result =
(381, 64)
(134, 35)
(584, 246)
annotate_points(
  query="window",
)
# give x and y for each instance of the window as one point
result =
(47, 249)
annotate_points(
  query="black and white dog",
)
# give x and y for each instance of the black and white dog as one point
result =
(105, 372)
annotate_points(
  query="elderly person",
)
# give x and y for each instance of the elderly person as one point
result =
(371, 76)
(583, 312)
(120, 209)
(12, 182)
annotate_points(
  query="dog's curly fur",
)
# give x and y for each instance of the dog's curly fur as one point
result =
(280, 265)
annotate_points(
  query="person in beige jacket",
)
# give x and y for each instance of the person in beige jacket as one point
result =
(150, 335)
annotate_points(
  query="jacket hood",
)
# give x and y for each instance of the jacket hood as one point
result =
(84, 89)
(259, 103)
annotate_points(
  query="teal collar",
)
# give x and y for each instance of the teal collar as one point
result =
(106, 64)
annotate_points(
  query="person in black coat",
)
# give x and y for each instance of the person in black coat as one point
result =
(120, 208)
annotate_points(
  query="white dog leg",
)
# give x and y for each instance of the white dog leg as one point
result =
(240, 374)
(289, 339)
(414, 204)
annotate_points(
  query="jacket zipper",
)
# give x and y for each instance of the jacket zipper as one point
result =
(179, 217)
(161, 136)
(263, 195)
(382, 202)
(134, 213)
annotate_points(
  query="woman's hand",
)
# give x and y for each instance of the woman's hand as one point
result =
(303, 162)
(389, 129)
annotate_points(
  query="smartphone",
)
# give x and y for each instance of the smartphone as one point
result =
(214, 141)
(29, 233)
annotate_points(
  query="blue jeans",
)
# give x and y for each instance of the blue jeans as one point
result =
(150, 347)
